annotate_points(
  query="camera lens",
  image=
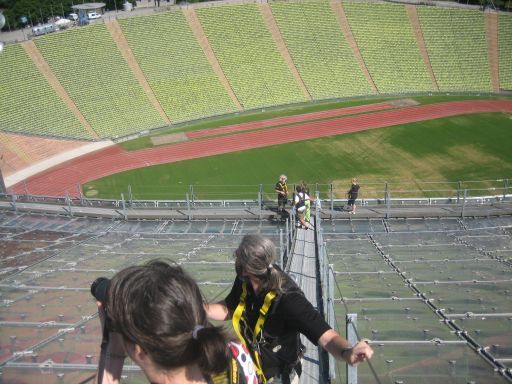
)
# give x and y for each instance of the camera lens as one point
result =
(99, 288)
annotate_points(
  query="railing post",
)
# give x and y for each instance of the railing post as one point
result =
(288, 239)
(79, 190)
(188, 207)
(331, 316)
(332, 201)
(463, 204)
(458, 191)
(191, 188)
(123, 203)
(281, 249)
(260, 201)
(386, 192)
(505, 189)
(388, 204)
(352, 338)
(130, 195)
(68, 202)
(14, 208)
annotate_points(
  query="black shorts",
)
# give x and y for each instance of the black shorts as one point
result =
(282, 200)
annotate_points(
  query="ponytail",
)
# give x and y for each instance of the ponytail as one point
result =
(210, 343)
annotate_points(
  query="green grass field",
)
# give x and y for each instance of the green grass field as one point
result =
(409, 157)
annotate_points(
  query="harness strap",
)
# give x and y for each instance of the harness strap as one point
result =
(229, 376)
(258, 328)
(237, 315)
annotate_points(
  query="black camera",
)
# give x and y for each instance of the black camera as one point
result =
(99, 288)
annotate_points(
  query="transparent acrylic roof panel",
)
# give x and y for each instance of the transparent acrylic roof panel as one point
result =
(65, 374)
(479, 222)
(383, 285)
(394, 320)
(443, 224)
(15, 339)
(64, 356)
(210, 254)
(211, 273)
(470, 297)
(468, 270)
(359, 263)
(493, 242)
(215, 292)
(137, 226)
(492, 332)
(414, 238)
(353, 226)
(350, 246)
(430, 252)
(423, 364)
(62, 307)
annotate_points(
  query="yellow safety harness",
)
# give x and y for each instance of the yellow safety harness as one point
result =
(230, 376)
(258, 328)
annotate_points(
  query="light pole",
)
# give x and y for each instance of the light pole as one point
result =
(2, 184)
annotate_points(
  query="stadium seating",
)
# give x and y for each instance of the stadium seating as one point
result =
(319, 50)
(29, 105)
(176, 67)
(249, 57)
(455, 40)
(97, 78)
(99, 81)
(387, 43)
(505, 51)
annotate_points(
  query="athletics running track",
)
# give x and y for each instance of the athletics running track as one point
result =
(66, 177)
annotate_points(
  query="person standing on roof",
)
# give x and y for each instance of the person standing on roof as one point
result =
(352, 196)
(282, 193)
(269, 312)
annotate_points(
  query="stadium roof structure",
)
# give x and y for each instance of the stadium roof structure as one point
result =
(432, 293)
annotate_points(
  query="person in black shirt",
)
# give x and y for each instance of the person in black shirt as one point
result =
(269, 311)
(352, 196)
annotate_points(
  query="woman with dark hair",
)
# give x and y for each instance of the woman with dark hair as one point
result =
(269, 311)
(155, 315)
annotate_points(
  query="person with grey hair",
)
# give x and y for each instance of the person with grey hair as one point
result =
(269, 312)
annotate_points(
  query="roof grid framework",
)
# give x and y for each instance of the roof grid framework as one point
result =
(406, 277)
(48, 323)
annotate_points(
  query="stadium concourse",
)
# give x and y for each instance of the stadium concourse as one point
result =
(432, 292)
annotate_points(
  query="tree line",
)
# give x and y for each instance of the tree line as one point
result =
(22, 13)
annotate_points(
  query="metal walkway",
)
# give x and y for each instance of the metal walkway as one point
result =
(302, 268)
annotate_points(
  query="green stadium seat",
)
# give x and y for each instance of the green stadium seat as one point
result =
(505, 51)
(456, 44)
(176, 67)
(249, 57)
(29, 103)
(319, 50)
(97, 78)
(387, 43)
